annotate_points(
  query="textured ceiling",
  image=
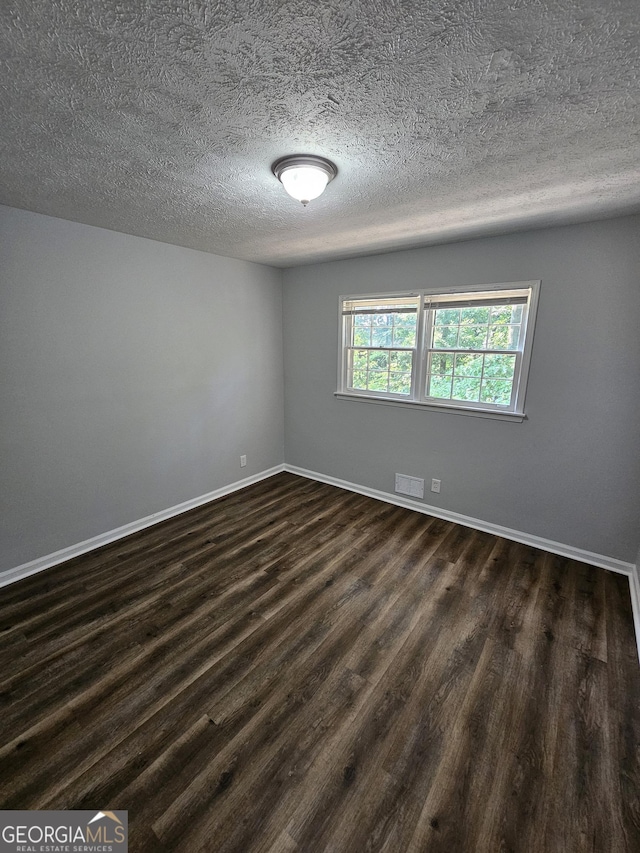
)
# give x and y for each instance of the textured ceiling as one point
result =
(447, 119)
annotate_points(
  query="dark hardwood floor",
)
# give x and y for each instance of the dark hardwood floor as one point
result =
(299, 668)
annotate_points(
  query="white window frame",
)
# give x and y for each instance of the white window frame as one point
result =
(421, 352)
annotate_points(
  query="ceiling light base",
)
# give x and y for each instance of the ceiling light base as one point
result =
(304, 176)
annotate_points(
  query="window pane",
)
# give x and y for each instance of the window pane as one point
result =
(405, 321)
(360, 358)
(359, 380)
(499, 366)
(442, 363)
(447, 316)
(361, 336)
(381, 336)
(506, 314)
(404, 330)
(503, 337)
(496, 391)
(386, 329)
(400, 383)
(378, 380)
(378, 360)
(380, 371)
(445, 337)
(466, 389)
(474, 316)
(401, 361)
(440, 387)
(468, 365)
(404, 337)
(472, 337)
(381, 319)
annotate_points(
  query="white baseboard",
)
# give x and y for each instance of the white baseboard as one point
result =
(46, 562)
(634, 589)
(600, 560)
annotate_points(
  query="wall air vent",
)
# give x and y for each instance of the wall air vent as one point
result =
(412, 486)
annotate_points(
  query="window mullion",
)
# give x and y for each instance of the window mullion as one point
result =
(484, 355)
(515, 388)
(422, 347)
(347, 349)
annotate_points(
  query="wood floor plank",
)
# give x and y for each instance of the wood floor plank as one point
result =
(624, 731)
(299, 668)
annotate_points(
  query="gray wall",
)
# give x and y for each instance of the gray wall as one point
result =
(568, 473)
(133, 374)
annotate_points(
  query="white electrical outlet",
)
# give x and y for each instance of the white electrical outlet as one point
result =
(243, 461)
(435, 486)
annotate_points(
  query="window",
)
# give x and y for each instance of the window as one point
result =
(467, 349)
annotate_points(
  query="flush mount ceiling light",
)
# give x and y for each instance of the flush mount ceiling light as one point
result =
(304, 176)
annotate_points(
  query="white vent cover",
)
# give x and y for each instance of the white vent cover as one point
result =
(412, 486)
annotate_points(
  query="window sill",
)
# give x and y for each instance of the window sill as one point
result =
(516, 417)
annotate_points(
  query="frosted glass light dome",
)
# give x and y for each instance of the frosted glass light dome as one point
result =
(304, 177)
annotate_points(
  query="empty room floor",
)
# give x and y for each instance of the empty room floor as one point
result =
(295, 667)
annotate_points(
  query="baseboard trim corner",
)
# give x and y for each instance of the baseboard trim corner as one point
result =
(49, 560)
(634, 589)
